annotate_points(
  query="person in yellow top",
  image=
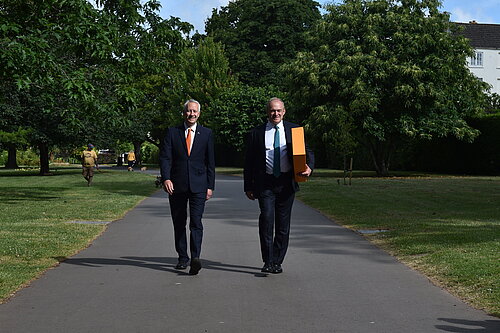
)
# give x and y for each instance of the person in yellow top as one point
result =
(89, 161)
(131, 160)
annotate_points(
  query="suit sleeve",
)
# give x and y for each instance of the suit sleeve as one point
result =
(309, 157)
(166, 156)
(210, 160)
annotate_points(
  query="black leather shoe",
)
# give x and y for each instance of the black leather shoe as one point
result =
(181, 265)
(268, 268)
(277, 269)
(195, 266)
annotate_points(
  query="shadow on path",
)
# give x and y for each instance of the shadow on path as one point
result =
(475, 326)
(159, 263)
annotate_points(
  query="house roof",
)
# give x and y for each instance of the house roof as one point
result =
(482, 35)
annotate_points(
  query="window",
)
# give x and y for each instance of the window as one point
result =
(477, 59)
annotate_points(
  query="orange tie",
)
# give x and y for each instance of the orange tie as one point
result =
(188, 141)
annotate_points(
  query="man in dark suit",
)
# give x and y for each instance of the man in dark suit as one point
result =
(188, 173)
(269, 177)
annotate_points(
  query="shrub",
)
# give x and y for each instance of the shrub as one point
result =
(150, 153)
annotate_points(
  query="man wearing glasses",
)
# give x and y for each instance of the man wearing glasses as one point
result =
(268, 177)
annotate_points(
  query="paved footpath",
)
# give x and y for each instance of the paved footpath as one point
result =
(333, 281)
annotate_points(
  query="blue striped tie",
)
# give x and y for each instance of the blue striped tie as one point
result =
(277, 155)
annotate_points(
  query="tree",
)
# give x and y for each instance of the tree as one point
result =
(52, 53)
(151, 47)
(201, 73)
(381, 71)
(78, 69)
(493, 103)
(260, 35)
(12, 140)
(12, 135)
(236, 111)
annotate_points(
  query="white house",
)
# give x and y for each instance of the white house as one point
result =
(485, 64)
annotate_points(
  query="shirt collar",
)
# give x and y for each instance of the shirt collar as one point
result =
(270, 125)
(192, 127)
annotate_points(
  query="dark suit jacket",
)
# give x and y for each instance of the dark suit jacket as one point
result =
(255, 158)
(195, 173)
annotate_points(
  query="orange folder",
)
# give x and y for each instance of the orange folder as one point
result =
(299, 153)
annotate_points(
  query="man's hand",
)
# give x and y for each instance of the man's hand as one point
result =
(306, 173)
(168, 186)
(250, 195)
(209, 194)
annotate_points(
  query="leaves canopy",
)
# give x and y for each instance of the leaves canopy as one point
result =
(201, 73)
(51, 63)
(260, 35)
(237, 110)
(73, 73)
(148, 49)
(383, 70)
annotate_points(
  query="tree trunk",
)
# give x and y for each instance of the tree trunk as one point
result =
(381, 152)
(381, 167)
(11, 157)
(137, 151)
(44, 159)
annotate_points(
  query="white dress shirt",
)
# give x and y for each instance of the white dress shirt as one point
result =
(269, 141)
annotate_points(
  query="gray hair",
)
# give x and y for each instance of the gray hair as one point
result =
(192, 101)
(272, 100)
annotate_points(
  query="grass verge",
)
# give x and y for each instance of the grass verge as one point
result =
(446, 227)
(34, 212)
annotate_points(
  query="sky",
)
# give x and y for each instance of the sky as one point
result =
(197, 11)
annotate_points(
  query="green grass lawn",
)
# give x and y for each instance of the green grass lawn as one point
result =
(34, 211)
(446, 227)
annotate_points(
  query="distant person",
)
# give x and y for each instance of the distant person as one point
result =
(131, 160)
(187, 165)
(89, 161)
(268, 177)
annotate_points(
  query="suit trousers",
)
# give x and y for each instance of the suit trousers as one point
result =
(178, 209)
(275, 202)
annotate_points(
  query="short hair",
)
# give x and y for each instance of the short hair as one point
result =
(268, 106)
(192, 101)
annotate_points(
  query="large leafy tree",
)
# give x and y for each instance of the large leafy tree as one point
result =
(381, 71)
(260, 35)
(202, 73)
(51, 58)
(83, 74)
(149, 48)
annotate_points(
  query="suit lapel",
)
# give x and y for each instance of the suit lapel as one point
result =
(288, 132)
(288, 138)
(182, 136)
(261, 137)
(197, 138)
